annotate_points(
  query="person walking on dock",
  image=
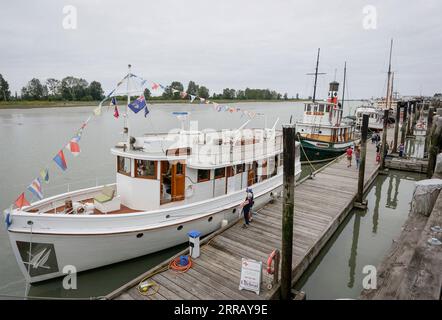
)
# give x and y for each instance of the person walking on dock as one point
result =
(349, 153)
(357, 156)
(246, 208)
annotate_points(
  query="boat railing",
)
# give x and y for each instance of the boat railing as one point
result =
(76, 191)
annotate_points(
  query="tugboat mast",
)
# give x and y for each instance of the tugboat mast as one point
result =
(316, 75)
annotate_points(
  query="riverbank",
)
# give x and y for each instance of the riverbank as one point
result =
(61, 104)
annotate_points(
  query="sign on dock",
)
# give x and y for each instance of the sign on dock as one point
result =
(250, 275)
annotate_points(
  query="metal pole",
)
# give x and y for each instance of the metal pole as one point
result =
(364, 133)
(287, 210)
(404, 125)
(384, 139)
(396, 126)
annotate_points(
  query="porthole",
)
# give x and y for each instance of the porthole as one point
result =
(179, 228)
(234, 210)
(168, 216)
(210, 219)
(140, 235)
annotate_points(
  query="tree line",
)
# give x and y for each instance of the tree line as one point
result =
(78, 89)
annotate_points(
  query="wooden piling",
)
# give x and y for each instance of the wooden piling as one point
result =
(413, 117)
(408, 120)
(364, 133)
(404, 124)
(396, 126)
(429, 125)
(287, 209)
(384, 139)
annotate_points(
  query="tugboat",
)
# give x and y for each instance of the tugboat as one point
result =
(324, 133)
(166, 185)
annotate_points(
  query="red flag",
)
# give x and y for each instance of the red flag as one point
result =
(155, 86)
(21, 201)
(116, 113)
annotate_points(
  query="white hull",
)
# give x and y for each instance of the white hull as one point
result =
(88, 242)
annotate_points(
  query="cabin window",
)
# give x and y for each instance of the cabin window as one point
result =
(123, 165)
(275, 166)
(230, 172)
(145, 169)
(321, 108)
(308, 108)
(240, 168)
(179, 168)
(203, 175)
(220, 173)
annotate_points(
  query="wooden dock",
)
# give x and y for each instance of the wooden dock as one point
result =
(406, 164)
(321, 204)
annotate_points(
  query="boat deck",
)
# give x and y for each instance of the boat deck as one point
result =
(320, 206)
(61, 209)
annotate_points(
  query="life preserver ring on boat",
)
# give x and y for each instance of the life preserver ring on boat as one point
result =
(270, 259)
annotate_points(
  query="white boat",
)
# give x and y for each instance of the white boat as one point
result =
(166, 185)
(375, 120)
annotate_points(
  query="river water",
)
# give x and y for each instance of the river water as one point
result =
(31, 137)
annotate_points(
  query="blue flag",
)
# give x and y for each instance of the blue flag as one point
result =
(137, 105)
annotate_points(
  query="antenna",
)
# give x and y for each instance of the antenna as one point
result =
(126, 118)
(316, 75)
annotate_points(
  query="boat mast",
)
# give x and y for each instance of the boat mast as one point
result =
(316, 75)
(127, 106)
(388, 98)
(343, 87)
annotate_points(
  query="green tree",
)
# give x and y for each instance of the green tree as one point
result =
(147, 93)
(34, 90)
(203, 92)
(95, 90)
(286, 96)
(192, 88)
(5, 94)
(229, 93)
(53, 86)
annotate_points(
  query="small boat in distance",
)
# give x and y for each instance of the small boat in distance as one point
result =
(166, 186)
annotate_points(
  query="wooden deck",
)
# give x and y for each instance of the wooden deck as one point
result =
(320, 206)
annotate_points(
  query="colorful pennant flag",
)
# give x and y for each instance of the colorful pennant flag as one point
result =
(116, 113)
(21, 201)
(138, 105)
(60, 160)
(35, 188)
(155, 86)
(44, 174)
(73, 146)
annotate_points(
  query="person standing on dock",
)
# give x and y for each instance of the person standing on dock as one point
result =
(401, 150)
(249, 190)
(349, 153)
(378, 152)
(357, 156)
(246, 209)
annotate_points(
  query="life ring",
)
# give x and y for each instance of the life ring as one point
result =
(270, 259)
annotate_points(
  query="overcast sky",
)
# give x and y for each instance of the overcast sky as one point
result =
(228, 43)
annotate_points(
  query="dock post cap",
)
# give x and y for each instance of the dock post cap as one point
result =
(288, 125)
(194, 234)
